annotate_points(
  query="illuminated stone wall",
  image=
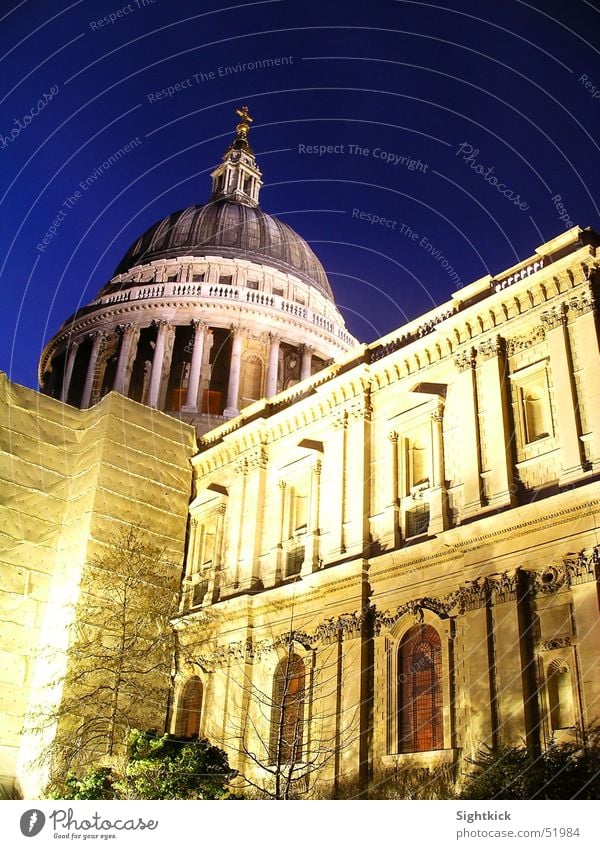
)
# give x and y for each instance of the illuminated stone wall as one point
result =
(445, 478)
(69, 479)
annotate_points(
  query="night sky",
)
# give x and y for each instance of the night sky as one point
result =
(473, 125)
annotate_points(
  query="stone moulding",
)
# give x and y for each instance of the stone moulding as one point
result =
(494, 589)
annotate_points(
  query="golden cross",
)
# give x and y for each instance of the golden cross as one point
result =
(244, 125)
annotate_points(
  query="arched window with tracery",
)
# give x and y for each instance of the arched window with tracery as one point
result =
(287, 723)
(560, 696)
(420, 721)
(189, 709)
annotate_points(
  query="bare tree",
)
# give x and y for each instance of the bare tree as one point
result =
(120, 654)
(292, 725)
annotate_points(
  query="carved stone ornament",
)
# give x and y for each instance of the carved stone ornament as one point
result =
(491, 348)
(554, 317)
(504, 587)
(346, 625)
(521, 343)
(580, 569)
(556, 643)
(466, 359)
(415, 607)
(549, 580)
(582, 303)
(254, 459)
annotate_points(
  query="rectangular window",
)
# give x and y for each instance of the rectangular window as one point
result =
(197, 278)
(172, 278)
(225, 279)
(417, 520)
(278, 292)
(199, 592)
(252, 284)
(295, 559)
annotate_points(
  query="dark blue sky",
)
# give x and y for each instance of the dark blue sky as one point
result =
(511, 84)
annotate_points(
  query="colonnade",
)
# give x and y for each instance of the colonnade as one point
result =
(128, 336)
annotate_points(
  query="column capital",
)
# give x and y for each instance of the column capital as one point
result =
(198, 324)
(494, 347)
(161, 323)
(238, 330)
(127, 327)
(466, 359)
(393, 436)
(273, 338)
(306, 349)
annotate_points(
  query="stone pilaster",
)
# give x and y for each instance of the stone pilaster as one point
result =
(311, 555)
(569, 430)
(437, 494)
(499, 435)
(470, 452)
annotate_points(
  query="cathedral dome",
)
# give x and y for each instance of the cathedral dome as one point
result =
(228, 229)
(211, 309)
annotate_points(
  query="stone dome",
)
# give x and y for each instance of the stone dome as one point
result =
(211, 309)
(229, 229)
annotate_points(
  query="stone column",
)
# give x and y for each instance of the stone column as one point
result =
(127, 339)
(271, 388)
(306, 366)
(69, 370)
(233, 388)
(191, 401)
(157, 362)
(98, 339)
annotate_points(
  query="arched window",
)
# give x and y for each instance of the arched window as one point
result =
(189, 709)
(287, 724)
(420, 725)
(560, 696)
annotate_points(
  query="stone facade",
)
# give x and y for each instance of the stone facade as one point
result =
(437, 490)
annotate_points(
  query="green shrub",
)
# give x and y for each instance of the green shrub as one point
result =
(566, 771)
(157, 767)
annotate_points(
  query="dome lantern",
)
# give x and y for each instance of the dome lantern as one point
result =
(238, 178)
